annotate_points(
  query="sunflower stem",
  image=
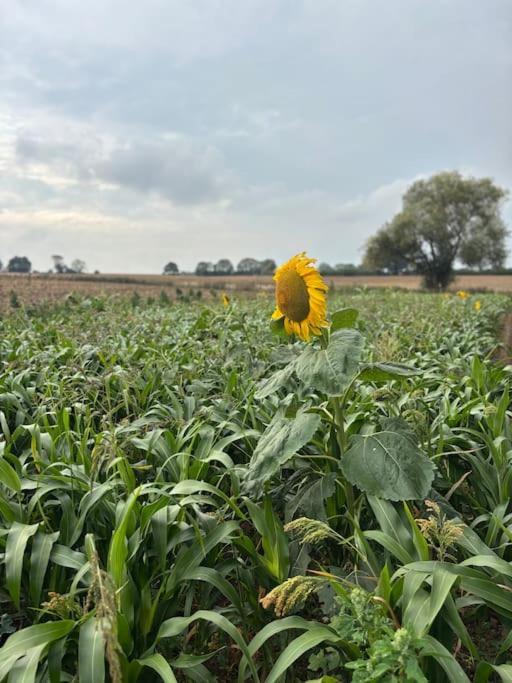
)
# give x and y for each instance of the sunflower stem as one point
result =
(341, 438)
(339, 420)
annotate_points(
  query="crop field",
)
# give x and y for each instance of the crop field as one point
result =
(187, 494)
(36, 288)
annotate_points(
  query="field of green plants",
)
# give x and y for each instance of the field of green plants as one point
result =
(188, 495)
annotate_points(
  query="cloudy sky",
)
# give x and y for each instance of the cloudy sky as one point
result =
(133, 133)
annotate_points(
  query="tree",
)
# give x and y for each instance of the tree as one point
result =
(58, 263)
(381, 254)
(485, 246)
(204, 268)
(19, 264)
(78, 266)
(171, 268)
(268, 266)
(325, 269)
(442, 220)
(224, 267)
(249, 266)
(345, 269)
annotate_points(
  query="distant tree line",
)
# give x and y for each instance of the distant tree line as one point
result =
(341, 269)
(21, 264)
(247, 266)
(60, 266)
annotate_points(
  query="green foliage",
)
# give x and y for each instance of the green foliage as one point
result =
(330, 370)
(280, 441)
(388, 463)
(169, 475)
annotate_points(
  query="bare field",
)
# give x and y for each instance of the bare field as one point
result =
(43, 287)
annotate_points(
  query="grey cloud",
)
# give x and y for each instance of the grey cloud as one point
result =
(176, 169)
(32, 149)
(292, 121)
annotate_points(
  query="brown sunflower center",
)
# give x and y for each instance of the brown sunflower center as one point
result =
(292, 296)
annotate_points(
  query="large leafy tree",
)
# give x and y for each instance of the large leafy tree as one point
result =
(204, 268)
(249, 266)
(268, 266)
(19, 264)
(444, 218)
(78, 266)
(171, 268)
(224, 267)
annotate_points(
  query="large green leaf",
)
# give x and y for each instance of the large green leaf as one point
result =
(215, 578)
(309, 499)
(160, 665)
(330, 370)
(389, 543)
(389, 465)
(174, 626)
(192, 556)
(14, 553)
(279, 442)
(41, 549)
(91, 652)
(118, 550)
(345, 317)
(298, 646)
(25, 669)
(420, 612)
(485, 671)
(66, 557)
(274, 541)
(383, 372)
(275, 381)
(433, 648)
(21, 642)
(8, 475)
(269, 631)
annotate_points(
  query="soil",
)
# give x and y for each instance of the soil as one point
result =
(36, 288)
(487, 633)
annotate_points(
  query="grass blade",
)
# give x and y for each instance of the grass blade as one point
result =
(14, 553)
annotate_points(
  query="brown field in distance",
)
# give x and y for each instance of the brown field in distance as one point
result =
(43, 287)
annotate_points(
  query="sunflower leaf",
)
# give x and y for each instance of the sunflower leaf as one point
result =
(388, 464)
(275, 381)
(345, 317)
(385, 371)
(330, 370)
(279, 442)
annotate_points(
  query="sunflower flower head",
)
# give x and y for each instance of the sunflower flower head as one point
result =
(301, 297)
(477, 305)
(462, 294)
(225, 300)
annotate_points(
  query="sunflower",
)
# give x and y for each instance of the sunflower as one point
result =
(300, 297)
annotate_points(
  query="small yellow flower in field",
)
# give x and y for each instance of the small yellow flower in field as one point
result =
(462, 294)
(225, 300)
(477, 305)
(300, 297)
